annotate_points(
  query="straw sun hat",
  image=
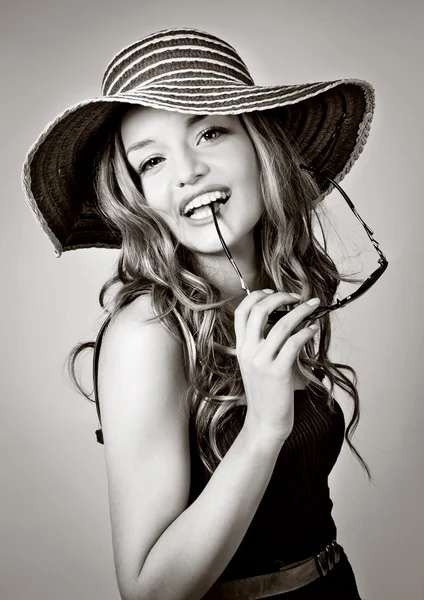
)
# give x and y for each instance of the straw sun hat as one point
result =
(188, 71)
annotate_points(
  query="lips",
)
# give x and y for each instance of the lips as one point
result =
(219, 209)
(205, 190)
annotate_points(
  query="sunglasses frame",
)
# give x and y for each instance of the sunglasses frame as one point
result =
(321, 311)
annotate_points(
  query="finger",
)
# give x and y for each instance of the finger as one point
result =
(259, 314)
(242, 312)
(289, 351)
(282, 331)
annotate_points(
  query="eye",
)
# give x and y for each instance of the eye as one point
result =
(212, 133)
(149, 164)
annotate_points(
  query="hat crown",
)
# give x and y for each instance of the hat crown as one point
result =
(175, 57)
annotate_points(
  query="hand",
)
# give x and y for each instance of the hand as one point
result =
(266, 364)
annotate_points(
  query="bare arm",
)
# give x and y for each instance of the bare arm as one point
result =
(164, 549)
(195, 549)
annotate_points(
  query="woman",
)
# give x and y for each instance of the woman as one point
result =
(219, 433)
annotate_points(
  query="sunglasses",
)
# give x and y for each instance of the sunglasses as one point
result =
(319, 312)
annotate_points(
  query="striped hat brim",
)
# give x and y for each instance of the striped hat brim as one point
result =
(329, 123)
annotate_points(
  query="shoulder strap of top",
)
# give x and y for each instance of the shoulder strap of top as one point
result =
(96, 352)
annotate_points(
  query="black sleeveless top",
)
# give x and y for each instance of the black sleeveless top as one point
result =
(293, 520)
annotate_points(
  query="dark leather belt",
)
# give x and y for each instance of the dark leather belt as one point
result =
(288, 578)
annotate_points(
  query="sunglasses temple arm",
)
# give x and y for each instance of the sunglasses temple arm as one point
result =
(369, 231)
(227, 251)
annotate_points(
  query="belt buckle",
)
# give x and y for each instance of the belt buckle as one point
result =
(327, 558)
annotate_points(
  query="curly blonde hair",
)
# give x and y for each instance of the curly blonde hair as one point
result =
(152, 261)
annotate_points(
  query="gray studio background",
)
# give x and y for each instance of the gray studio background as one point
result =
(55, 540)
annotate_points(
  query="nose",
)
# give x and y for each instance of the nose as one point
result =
(189, 167)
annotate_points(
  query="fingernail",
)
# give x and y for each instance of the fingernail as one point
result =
(313, 301)
(268, 291)
(298, 296)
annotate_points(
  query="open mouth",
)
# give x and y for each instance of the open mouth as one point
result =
(203, 211)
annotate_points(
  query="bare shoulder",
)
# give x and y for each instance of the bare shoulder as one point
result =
(138, 359)
(133, 343)
(135, 315)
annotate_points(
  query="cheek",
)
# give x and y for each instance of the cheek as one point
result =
(158, 196)
(246, 162)
(155, 193)
(249, 174)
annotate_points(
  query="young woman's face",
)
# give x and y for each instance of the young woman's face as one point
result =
(179, 157)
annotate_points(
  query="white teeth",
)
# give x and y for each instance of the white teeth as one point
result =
(202, 213)
(204, 199)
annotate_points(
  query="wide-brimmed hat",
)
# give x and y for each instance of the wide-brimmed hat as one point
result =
(188, 71)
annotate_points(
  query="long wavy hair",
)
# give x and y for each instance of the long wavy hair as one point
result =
(152, 261)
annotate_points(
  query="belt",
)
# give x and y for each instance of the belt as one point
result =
(288, 578)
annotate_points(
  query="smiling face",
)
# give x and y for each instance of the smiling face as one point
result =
(179, 157)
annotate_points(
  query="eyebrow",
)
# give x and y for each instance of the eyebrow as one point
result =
(191, 121)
